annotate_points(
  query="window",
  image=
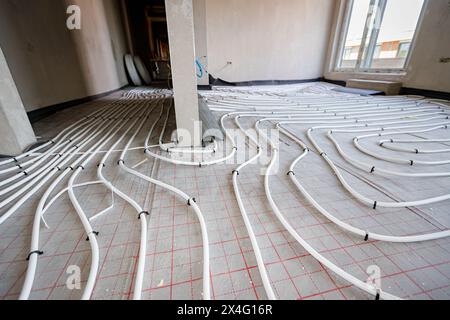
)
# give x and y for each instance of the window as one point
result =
(403, 50)
(378, 34)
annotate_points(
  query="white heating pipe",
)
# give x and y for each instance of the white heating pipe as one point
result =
(192, 203)
(34, 250)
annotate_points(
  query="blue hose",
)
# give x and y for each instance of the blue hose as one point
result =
(200, 69)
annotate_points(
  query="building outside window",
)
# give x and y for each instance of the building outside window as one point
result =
(379, 34)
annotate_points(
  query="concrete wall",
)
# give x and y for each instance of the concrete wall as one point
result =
(268, 39)
(15, 129)
(51, 64)
(425, 70)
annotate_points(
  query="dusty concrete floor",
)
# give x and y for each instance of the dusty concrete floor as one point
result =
(174, 252)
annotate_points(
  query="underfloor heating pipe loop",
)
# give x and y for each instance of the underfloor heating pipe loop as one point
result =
(43, 177)
(291, 230)
(70, 147)
(92, 235)
(192, 204)
(340, 272)
(32, 263)
(364, 287)
(201, 163)
(138, 283)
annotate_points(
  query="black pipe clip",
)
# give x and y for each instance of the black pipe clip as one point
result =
(120, 161)
(189, 201)
(93, 232)
(375, 205)
(291, 172)
(372, 170)
(235, 171)
(38, 252)
(141, 213)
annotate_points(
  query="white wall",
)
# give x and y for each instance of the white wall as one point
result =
(51, 64)
(268, 39)
(432, 43)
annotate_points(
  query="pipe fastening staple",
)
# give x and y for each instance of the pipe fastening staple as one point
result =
(372, 170)
(366, 238)
(375, 205)
(38, 252)
(141, 213)
(235, 171)
(377, 297)
(120, 161)
(191, 199)
(94, 233)
(291, 172)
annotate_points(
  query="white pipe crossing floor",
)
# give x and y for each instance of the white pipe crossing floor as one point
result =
(312, 194)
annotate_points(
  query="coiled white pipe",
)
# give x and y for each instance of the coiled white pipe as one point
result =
(385, 144)
(365, 234)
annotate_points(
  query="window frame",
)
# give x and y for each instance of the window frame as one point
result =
(343, 35)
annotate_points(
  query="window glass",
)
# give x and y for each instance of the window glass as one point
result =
(380, 34)
(355, 32)
(397, 32)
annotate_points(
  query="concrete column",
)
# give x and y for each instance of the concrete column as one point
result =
(180, 24)
(200, 29)
(16, 132)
